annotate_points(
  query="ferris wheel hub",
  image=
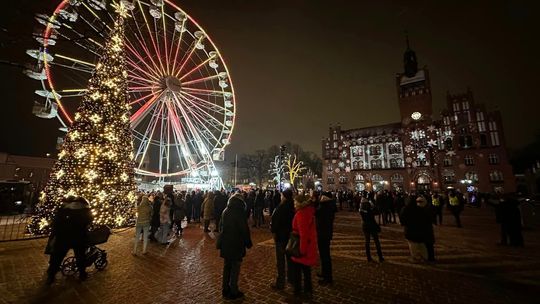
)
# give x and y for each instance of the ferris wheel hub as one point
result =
(172, 83)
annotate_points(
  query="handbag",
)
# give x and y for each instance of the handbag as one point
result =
(50, 245)
(293, 245)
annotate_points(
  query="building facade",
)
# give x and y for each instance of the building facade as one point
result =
(463, 148)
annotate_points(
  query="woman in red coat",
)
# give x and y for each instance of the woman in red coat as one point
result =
(304, 226)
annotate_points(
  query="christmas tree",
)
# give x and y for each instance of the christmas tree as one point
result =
(96, 159)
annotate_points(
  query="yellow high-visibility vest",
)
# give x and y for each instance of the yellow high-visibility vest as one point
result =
(435, 202)
(454, 201)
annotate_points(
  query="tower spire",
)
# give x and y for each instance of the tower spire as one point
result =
(410, 63)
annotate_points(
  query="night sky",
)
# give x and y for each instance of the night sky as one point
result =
(298, 66)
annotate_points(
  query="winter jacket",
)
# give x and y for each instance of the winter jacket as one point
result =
(70, 225)
(325, 214)
(208, 207)
(179, 209)
(156, 207)
(417, 222)
(259, 200)
(164, 213)
(304, 226)
(220, 203)
(234, 235)
(144, 212)
(369, 225)
(281, 222)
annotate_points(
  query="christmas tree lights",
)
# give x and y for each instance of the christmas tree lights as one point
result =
(96, 159)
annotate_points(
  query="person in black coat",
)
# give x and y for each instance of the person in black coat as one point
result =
(232, 243)
(325, 215)
(189, 206)
(69, 231)
(427, 227)
(220, 203)
(281, 227)
(370, 228)
(258, 209)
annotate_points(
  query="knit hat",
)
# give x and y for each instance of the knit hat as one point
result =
(288, 194)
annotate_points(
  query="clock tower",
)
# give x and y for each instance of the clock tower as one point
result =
(413, 89)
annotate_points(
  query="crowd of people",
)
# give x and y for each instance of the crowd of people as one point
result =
(301, 221)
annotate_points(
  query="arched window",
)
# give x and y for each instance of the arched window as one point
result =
(375, 150)
(376, 164)
(397, 178)
(377, 178)
(343, 179)
(423, 179)
(359, 178)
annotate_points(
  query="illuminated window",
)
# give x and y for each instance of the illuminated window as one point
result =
(330, 180)
(469, 160)
(481, 122)
(495, 138)
(447, 162)
(496, 176)
(493, 159)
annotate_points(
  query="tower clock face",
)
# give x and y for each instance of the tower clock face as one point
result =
(416, 115)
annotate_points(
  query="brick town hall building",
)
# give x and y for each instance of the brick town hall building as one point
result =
(464, 149)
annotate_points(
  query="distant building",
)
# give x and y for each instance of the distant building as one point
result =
(21, 178)
(462, 149)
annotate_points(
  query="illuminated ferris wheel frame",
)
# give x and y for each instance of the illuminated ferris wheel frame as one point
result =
(180, 90)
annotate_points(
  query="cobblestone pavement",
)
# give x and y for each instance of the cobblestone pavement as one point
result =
(470, 269)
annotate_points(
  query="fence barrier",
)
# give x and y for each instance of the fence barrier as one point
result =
(13, 227)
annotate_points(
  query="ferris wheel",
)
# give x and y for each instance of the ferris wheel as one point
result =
(180, 90)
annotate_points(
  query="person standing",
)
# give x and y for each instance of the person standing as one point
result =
(455, 206)
(69, 231)
(370, 228)
(179, 213)
(162, 235)
(220, 203)
(197, 203)
(155, 223)
(304, 226)
(232, 242)
(208, 210)
(281, 227)
(411, 219)
(258, 211)
(189, 206)
(427, 227)
(142, 226)
(437, 203)
(325, 215)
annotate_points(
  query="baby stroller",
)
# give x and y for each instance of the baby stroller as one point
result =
(94, 255)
